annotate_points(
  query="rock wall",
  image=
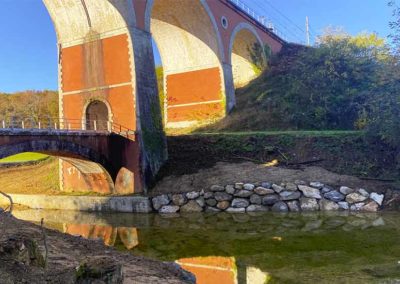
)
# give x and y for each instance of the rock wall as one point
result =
(262, 197)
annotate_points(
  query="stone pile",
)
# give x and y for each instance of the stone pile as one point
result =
(247, 197)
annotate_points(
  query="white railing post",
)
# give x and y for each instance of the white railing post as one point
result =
(4, 124)
(95, 125)
(55, 125)
(23, 124)
(39, 125)
(109, 126)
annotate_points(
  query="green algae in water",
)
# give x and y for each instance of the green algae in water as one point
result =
(288, 248)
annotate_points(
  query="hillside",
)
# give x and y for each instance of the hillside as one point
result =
(340, 84)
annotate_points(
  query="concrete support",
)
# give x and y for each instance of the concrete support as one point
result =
(229, 87)
(149, 121)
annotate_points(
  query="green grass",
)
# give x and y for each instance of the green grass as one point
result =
(23, 158)
(300, 133)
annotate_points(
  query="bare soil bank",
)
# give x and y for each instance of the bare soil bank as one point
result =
(67, 252)
(199, 161)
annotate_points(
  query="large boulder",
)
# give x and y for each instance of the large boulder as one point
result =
(294, 206)
(263, 190)
(230, 189)
(243, 193)
(201, 201)
(327, 205)
(160, 201)
(310, 192)
(191, 206)
(168, 209)
(291, 186)
(256, 208)
(222, 205)
(355, 198)
(371, 207)
(335, 196)
(378, 198)
(344, 205)
(211, 202)
(277, 188)
(270, 199)
(208, 195)
(317, 184)
(346, 190)
(192, 194)
(289, 195)
(280, 207)
(309, 204)
(357, 206)
(363, 192)
(223, 196)
(256, 199)
(179, 199)
(240, 203)
(236, 210)
(248, 186)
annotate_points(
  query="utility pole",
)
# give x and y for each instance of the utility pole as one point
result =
(307, 31)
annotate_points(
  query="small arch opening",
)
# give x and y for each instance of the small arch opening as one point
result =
(97, 116)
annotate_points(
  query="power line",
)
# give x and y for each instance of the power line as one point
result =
(277, 22)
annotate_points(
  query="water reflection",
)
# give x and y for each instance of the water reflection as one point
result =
(257, 248)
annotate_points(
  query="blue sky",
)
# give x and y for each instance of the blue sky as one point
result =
(28, 50)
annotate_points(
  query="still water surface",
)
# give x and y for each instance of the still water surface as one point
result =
(241, 248)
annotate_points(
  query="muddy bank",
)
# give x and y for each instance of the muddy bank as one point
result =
(66, 253)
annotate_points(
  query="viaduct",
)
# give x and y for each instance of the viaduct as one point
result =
(108, 84)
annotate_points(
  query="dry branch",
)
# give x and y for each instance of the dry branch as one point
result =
(10, 199)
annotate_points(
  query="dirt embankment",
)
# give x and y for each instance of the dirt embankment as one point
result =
(199, 161)
(66, 253)
(39, 178)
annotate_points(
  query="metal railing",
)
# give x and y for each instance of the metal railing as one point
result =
(262, 20)
(68, 125)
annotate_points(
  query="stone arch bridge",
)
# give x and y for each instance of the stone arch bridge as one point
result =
(107, 73)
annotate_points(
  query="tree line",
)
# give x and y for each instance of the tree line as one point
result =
(31, 106)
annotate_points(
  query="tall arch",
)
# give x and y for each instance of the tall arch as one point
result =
(95, 56)
(246, 52)
(191, 51)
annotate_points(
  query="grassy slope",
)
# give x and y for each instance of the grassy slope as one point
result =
(24, 157)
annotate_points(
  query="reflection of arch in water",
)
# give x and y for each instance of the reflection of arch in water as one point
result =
(109, 234)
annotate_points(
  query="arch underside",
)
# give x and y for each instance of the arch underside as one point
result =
(80, 168)
(247, 57)
(95, 56)
(191, 56)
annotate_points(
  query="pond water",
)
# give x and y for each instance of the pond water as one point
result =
(260, 248)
